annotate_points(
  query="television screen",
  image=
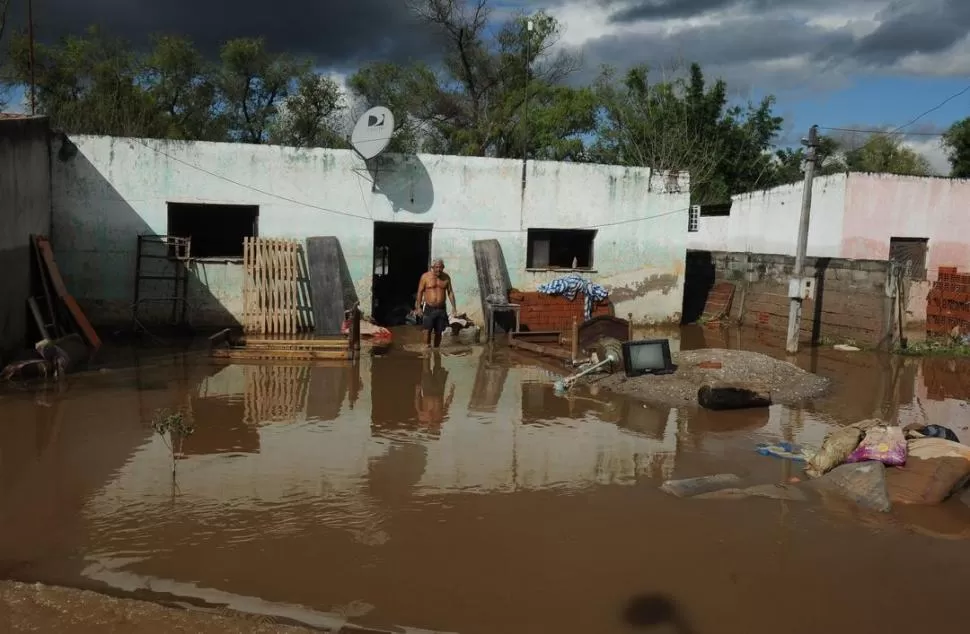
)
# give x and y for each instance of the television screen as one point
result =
(647, 356)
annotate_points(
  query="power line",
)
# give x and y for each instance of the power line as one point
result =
(863, 131)
(899, 129)
(370, 219)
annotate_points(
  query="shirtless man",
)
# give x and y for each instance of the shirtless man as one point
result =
(432, 289)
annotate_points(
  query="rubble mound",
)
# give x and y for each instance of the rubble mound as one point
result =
(788, 384)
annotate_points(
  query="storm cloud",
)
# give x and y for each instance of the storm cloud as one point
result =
(770, 44)
(337, 33)
(774, 44)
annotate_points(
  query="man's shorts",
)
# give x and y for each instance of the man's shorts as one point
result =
(435, 319)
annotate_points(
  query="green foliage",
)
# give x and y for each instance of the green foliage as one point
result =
(683, 124)
(171, 424)
(883, 153)
(957, 143)
(95, 84)
(945, 347)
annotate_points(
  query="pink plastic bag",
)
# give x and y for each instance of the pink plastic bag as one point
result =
(882, 443)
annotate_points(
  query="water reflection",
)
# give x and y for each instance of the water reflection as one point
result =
(438, 478)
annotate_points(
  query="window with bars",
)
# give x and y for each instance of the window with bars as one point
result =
(912, 251)
(694, 218)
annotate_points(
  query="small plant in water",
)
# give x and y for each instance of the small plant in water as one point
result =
(173, 430)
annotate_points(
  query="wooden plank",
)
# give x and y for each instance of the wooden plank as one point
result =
(271, 345)
(549, 351)
(327, 294)
(317, 342)
(246, 353)
(538, 336)
(43, 245)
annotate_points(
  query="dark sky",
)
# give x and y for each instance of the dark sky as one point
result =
(336, 32)
(741, 39)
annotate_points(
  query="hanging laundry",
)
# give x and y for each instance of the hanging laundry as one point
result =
(571, 285)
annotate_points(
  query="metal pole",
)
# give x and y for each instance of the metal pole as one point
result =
(525, 117)
(795, 284)
(30, 36)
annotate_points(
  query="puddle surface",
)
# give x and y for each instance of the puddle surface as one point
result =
(457, 493)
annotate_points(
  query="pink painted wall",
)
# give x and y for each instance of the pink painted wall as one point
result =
(883, 206)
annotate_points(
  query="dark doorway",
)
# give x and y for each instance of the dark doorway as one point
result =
(402, 254)
(699, 279)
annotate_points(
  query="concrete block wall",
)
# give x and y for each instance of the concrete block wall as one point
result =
(25, 209)
(850, 302)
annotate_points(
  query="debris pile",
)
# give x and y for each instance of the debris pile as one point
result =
(871, 463)
(721, 379)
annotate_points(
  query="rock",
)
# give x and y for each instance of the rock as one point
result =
(772, 491)
(698, 486)
(864, 483)
(721, 396)
(842, 347)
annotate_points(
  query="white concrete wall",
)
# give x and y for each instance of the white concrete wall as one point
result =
(767, 221)
(112, 189)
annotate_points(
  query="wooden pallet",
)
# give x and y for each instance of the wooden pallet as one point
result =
(229, 345)
(273, 288)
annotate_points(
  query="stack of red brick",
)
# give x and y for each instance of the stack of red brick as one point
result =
(553, 312)
(948, 302)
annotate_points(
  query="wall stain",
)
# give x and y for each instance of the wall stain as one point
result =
(663, 283)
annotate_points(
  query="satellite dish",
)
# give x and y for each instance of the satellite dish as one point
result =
(373, 132)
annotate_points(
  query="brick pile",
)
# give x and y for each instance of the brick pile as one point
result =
(553, 312)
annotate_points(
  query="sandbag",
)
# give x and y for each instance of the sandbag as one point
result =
(884, 443)
(934, 470)
(837, 446)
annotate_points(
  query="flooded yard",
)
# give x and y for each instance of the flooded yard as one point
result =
(455, 492)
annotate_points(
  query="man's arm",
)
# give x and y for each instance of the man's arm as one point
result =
(420, 295)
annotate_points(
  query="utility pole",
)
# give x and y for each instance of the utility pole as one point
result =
(33, 81)
(529, 26)
(795, 284)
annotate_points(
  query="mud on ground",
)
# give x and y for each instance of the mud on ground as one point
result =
(788, 384)
(41, 608)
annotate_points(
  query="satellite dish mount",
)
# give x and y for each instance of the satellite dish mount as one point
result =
(371, 136)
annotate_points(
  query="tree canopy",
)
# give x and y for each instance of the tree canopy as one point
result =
(502, 89)
(97, 84)
(957, 144)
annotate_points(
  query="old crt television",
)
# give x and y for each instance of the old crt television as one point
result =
(647, 356)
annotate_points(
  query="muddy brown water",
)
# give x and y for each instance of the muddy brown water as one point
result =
(457, 493)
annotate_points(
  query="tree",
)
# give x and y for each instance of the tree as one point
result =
(498, 96)
(885, 154)
(88, 85)
(180, 84)
(252, 82)
(957, 143)
(682, 124)
(309, 118)
(94, 84)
